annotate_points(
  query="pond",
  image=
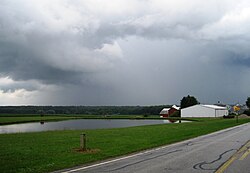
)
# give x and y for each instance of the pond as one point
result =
(76, 125)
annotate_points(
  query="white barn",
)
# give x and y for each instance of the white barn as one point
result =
(204, 111)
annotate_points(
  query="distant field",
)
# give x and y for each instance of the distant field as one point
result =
(54, 150)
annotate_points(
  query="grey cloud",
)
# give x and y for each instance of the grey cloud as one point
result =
(74, 44)
(19, 85)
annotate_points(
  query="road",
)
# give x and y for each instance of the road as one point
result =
(222, 151)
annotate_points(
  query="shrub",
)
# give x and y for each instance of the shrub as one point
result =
(228, 116)
(247, 112)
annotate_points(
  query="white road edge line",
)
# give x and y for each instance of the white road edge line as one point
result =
(145, 152)
(103, 163)
(115, 160)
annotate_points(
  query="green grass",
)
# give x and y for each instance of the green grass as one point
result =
(54, 150)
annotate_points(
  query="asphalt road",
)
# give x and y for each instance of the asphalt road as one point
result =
(223, 151)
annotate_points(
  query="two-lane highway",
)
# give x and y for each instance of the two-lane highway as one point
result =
(217, 152)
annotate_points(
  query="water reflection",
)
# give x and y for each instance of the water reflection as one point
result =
(173, 121)
(76, 124)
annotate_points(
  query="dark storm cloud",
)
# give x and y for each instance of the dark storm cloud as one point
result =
(41, 45)
(19, 64)
(93, 45)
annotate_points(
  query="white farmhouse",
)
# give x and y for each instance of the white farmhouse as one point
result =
(204, 111)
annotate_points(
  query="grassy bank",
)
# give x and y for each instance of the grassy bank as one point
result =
(48, 151)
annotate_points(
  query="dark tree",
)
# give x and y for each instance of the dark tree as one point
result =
(188, 101)
(248, 102)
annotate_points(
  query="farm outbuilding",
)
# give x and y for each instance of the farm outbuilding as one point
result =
(166, 112)
(204, 111)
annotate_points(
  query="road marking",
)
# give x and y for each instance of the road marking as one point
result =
(226, 164)
(246, 147)
(245, 155)
(98, 164)
(235, 156)
(114, 160)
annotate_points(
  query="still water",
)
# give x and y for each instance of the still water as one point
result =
(76, 125)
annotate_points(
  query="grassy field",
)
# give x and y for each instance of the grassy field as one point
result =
(53, 150)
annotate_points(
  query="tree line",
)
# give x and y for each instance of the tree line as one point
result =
(86, 110)
(100, 110)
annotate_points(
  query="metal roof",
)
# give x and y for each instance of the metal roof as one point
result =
(175, 107)
(164, 111)
(214, 107)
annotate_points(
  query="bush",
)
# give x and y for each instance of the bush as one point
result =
(247, 112)
(228, 116)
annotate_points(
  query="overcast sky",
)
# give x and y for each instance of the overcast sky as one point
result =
(123, 52)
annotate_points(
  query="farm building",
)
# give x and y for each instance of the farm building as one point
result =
(204, 111)
(166, 112)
